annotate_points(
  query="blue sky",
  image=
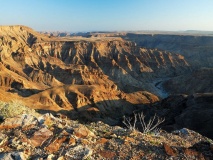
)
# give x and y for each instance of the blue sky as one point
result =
(108, 15)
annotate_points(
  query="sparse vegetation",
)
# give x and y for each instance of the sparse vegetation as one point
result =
(14, 108)
(147, 126)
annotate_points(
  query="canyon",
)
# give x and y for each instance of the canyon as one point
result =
(104, 76)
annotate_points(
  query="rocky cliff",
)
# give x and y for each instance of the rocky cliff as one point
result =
(49, 137)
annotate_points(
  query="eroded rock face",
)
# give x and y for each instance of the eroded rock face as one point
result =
(95, 76)
(52, 62)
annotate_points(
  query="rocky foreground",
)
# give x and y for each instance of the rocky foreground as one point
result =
(34, 136)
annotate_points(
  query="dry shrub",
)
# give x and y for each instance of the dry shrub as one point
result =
(14, 108)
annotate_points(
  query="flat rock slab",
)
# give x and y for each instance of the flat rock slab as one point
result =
(40, 137)
(56, 144)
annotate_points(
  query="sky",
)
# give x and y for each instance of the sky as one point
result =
(108, 15)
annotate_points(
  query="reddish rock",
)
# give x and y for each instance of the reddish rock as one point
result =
(83, 132)
(101, 141)
(55, 145)
(169, 150)
(72, 141)
(40, 137)
(107, 154)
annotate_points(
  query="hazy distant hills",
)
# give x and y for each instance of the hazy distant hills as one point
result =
(119, 33)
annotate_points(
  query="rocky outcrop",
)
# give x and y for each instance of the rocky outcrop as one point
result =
(61, 138)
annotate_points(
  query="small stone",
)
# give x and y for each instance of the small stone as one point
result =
(48, 121)
(107, 154)
(60, 126)
(55, 145)
(72, 141)
(169, 150)
(83, 132)
(51, 157)
(61, 158)
(102, 141)
(114, 136)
